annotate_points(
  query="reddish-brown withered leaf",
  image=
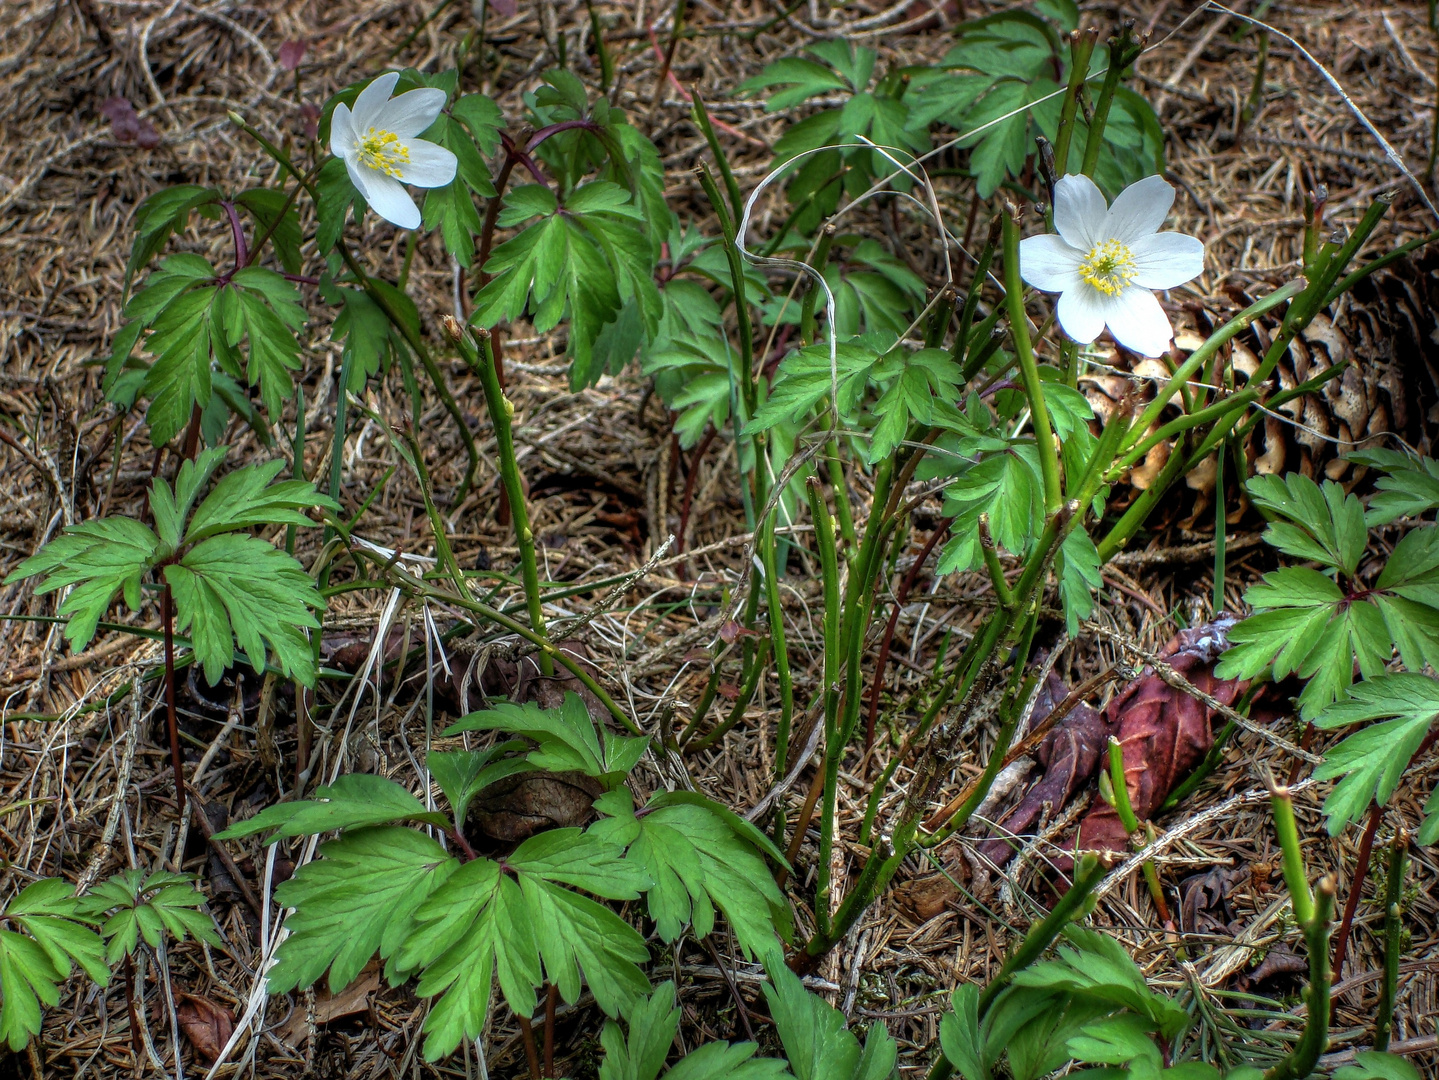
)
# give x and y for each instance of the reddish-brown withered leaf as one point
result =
(1069, 754)
(1165, 732)
(205, 1024)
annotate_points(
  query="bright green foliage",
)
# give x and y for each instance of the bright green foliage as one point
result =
(817, 1042)
(1000, 88)
(567, 738)
(359, 898)
(805, 379)
(585, 260)
(471, 133)
(1305, 623)
(226, 584)
(463, 774)
(193, 322)
(877, 113)
(873, 291)
(1090, 1004)
(135, 906)
(351, 802)
(164, 213)
(700, 856)
(49, 937)
(517, 921)
(1372, 759)
(1369, 1065)
(653, 1021)
(1410, 489)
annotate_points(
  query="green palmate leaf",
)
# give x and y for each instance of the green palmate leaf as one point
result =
(568, 738)
(1370, 1065)
(463, 774)
(49, 911)
(1410, 489)
(246, 498)
(653, 1021)
(29, 978)
(484, 925)
(358, 898)
(366, 331)
(270, 312)
(804, 379)
(1429, 831)
(1079, 576)
(1099, 967)
(697, 861)
(1324, 524)
(162, 214)
(1372, 760)
(98, 559)
(1004, 483)
(961, 1037)
(816, 1041)
(135, 906)
(583, 262)
(353, 801)
(1118, 1040)
(919, 384)
(452, 207)
(233, 587)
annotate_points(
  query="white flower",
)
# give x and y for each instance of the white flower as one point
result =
(377, 142)
(1105, 261)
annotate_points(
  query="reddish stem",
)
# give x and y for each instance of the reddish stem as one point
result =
(167, 620)
(135, 1044)
(1356, 887)
(899, 600)
(689, 495)
(532, 1055)
(242, 250)
(552, 996)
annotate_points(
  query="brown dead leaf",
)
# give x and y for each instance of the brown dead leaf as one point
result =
(1164, 731)
(208, 1026)
(354, 998)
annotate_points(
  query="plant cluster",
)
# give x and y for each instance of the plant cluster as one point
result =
(561, 218)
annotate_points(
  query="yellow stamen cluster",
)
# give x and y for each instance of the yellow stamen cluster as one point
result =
(383, 151)
(1109, 267)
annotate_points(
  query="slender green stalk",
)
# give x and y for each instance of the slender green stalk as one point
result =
(1302, 1059)
(807, 304)
(754, 671)
(1393, 894)
(1293, 858)
(991, 563)
(829, 569)
(837, 484)
(1256, 89)
(702, 119)
(1028, 369)
(445, 555)
(501, 412)
(1122, 51)
(1081, 48)
(780, 648)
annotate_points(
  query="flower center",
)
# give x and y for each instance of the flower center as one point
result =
(1109, 267)
(383, 152)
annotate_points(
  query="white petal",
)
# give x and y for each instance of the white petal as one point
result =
(1048, 263)
(1167, 260)
(429, 165)
(360, 176)
(1138, 322)
(1139, 210)
(1081, 311)
(389, 199)
(342, 131)
(372, 100)
(1079, 211)
(410, 113)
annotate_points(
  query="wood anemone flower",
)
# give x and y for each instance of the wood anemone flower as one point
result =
(1105, 262)
(377, 141)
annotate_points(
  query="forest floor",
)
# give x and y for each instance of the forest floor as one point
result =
(608, 483)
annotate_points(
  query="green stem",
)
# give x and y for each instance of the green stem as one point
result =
(1028, 369)
(501, 413)
(702, 118)
(1081, 48)
(1393, 894)
(811, 296)
(1121, 49)
(1301, 1060)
